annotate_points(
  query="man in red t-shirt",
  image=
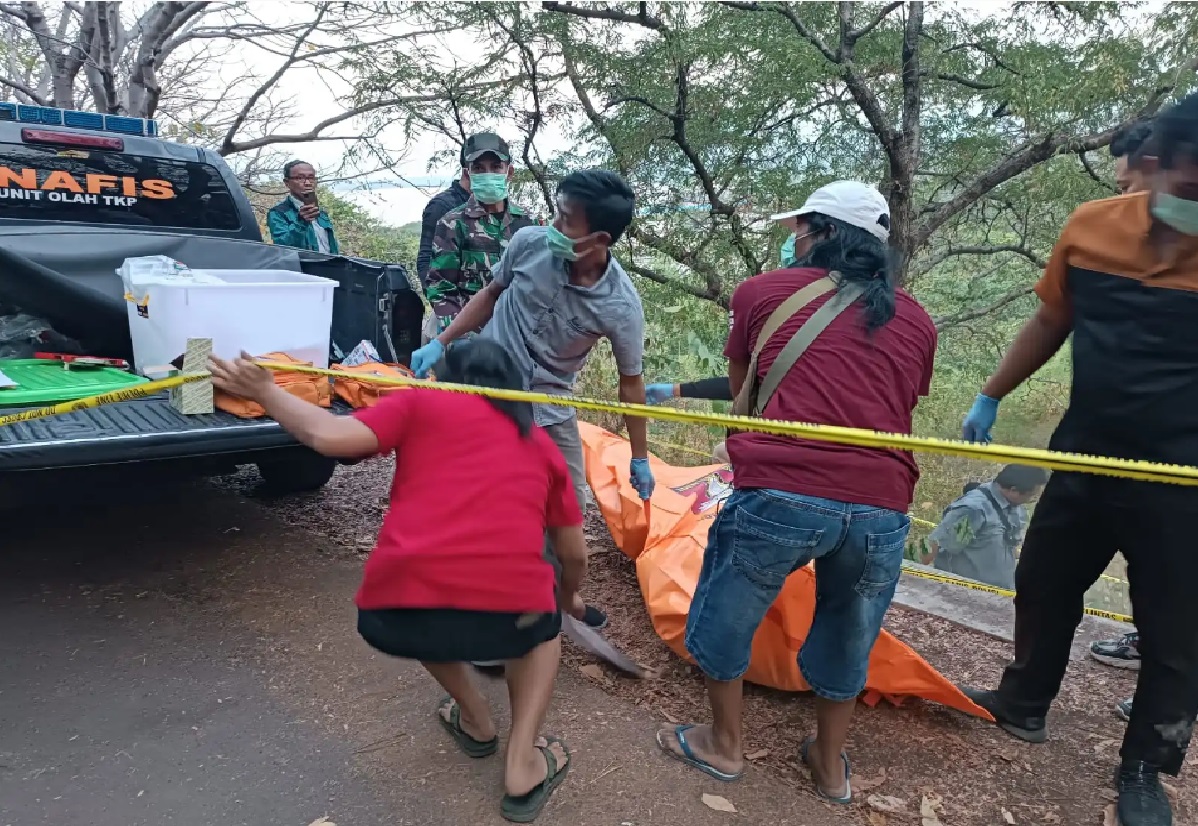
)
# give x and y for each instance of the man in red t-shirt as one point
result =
(798, 501)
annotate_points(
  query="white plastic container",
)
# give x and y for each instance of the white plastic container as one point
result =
(258, 311)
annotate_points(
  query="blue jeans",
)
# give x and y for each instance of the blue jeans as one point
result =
(763, 536)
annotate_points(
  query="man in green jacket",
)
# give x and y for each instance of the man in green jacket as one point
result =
(297, 220)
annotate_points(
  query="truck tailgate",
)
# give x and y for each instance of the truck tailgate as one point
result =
(134, 431)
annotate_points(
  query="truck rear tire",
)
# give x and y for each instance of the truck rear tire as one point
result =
(297, 473)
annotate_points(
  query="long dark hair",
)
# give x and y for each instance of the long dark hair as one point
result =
(484, 363)
(859, 257)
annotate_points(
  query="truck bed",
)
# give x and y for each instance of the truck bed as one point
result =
(135, 431)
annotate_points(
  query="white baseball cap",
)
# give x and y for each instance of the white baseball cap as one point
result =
(857, 204)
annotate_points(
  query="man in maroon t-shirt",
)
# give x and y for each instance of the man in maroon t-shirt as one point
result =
(798, 501)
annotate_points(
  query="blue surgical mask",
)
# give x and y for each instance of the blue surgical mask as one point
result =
(488, 187)
(560, 246)
(1178, 213)
(787, 255)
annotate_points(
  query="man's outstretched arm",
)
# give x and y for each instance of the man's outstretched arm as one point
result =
(1036, 342)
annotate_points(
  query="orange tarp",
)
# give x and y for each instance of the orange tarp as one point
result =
(668, 553)
(312, 389)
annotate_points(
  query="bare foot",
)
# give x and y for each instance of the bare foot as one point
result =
(480, 730)
(520, 780)
(702, 748)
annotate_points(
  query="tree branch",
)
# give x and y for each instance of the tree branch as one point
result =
(536, 117)
(857, 34)
(641, 18)
(952, 252)
(963, 81)
(986, 50)
(105, 48)
(955, 319)
(227, 144)
(912, 94)
(648, 104)
(677, 284)
(843, 58)
(686, 257)
(17, 86)
(1039, 151)
(1089, 170)
(16, 12)
(807, 33)
(231, 148)
(1021, 161)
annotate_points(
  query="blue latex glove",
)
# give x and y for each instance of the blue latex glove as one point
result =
(979, 420)
(642, 478)
(424, 358)
(658, 393)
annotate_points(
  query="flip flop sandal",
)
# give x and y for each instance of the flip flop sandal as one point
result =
(472, 748)
(689, 757)
(820, 793)
(526, 807)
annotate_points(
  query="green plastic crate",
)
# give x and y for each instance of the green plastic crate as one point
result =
(40, 381)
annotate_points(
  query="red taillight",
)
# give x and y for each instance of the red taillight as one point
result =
(71, 139)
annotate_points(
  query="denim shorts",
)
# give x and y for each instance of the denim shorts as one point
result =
(763, 536)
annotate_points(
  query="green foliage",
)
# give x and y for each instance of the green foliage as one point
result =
(723, 113)
(365, 236)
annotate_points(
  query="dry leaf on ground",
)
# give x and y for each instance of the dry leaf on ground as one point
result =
(928, 810)
(1007, 816)
(875, 819)
(760, 754)
(864, 784)
(595, 672)
(1110, 817)
(884, 803)
(322, 821)
(720, 804)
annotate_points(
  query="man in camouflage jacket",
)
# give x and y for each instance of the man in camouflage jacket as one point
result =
(471, 239)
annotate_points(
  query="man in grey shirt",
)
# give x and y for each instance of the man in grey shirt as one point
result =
(979, 533)
(555, 292)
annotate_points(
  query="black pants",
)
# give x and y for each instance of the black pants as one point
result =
(1081, 521)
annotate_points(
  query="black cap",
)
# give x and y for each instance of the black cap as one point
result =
(478, 145)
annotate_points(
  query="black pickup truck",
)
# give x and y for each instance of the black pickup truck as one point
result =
(79, 193)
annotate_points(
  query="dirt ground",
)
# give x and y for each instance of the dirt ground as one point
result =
(919, 763)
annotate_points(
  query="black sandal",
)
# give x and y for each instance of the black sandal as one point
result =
(526, 807)
(472, 748)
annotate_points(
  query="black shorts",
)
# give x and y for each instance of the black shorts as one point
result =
(446, 635)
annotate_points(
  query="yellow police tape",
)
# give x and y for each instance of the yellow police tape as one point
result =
(990, 589)
(1079, 463)
(1127, 468)
(915, 520)
(137, 391)
(923, 523)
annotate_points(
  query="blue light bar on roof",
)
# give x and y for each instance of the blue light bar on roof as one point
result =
(94, 121)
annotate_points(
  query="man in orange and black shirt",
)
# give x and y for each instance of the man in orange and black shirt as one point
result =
(1123, 279)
